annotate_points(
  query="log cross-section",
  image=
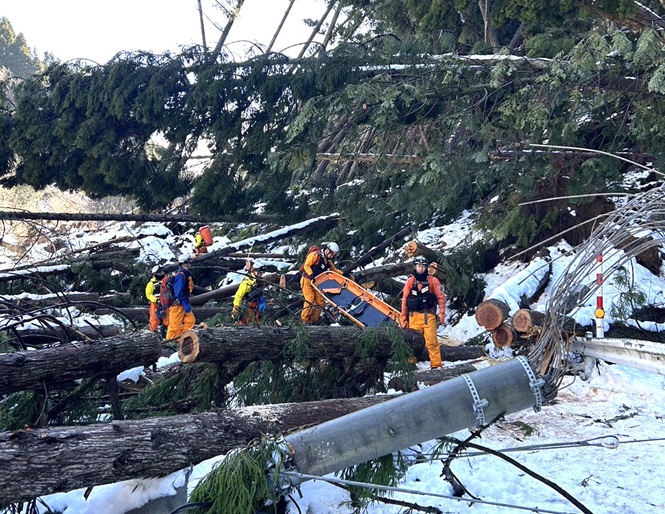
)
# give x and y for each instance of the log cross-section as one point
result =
(503, 336)
(525, 320)
(491, 313)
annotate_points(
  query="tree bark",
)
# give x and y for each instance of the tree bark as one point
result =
(62, 333)
(55, 366)
(269, 343)
(301, 228)
(431, 376)
(46, 461)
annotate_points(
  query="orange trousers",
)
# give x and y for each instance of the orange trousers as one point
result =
(179, 321)
(314, 302)
(155, 319)
(425, 323)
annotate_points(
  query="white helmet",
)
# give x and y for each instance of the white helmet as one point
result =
(155, 268)
(333, 247)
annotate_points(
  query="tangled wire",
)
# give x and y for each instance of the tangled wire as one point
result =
(624, 233)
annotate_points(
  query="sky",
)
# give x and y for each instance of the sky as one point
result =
(98, 29)
(602, 440)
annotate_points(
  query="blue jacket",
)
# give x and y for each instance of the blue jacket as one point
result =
(182, 287)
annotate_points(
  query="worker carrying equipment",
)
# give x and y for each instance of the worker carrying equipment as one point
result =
(202, 240)
(181, 317)
(158, 317)
(317, 261)
(248, 302)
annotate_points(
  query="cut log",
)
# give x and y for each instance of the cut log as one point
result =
(55, 366)
(45, 461)
(491, 313)
(240, 344)
(431, 376)
(525, 320)
(503, 336)
(413, 248)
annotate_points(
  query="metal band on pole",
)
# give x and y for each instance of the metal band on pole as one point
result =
(478, 404)
(535, 384)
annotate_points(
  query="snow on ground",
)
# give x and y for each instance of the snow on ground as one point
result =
(583, 424)
(607, 445)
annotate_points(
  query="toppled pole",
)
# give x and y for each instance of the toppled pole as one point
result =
(644, 355)
(473, 399)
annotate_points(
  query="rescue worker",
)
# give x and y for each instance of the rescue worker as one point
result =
(181, 317)
(199, 244)
(316, 263)
(248, 300)
(158, 316)
(421, 296)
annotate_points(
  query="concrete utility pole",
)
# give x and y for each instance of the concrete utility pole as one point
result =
(473, 399)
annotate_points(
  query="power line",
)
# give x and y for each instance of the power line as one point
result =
(340, 481)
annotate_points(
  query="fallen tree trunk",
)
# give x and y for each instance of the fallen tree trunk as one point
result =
(240, 344)
(304, 227)
(46, 461)
(456, 353)
(431, 376)
(62, 333)
(53, 366)
(369, 256)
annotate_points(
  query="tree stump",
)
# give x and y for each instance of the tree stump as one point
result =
(491, 313)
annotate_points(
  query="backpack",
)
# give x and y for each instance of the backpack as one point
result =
(166, 294)
(301, 269)
(206, 234)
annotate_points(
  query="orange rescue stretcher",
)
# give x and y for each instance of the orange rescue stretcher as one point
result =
(354, 302)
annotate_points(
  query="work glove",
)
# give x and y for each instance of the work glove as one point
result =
(187, 306)
(235, 313)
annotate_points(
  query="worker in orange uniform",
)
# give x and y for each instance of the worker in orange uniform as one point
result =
(317, 261)
(181, 317)
(158, 316)
(421, 296)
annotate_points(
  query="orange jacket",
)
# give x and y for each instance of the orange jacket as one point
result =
(434, 287)
(316, 263)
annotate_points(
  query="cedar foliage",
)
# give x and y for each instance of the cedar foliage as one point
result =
(464, 123)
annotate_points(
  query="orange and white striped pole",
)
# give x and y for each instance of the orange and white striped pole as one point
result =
(600, 311)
